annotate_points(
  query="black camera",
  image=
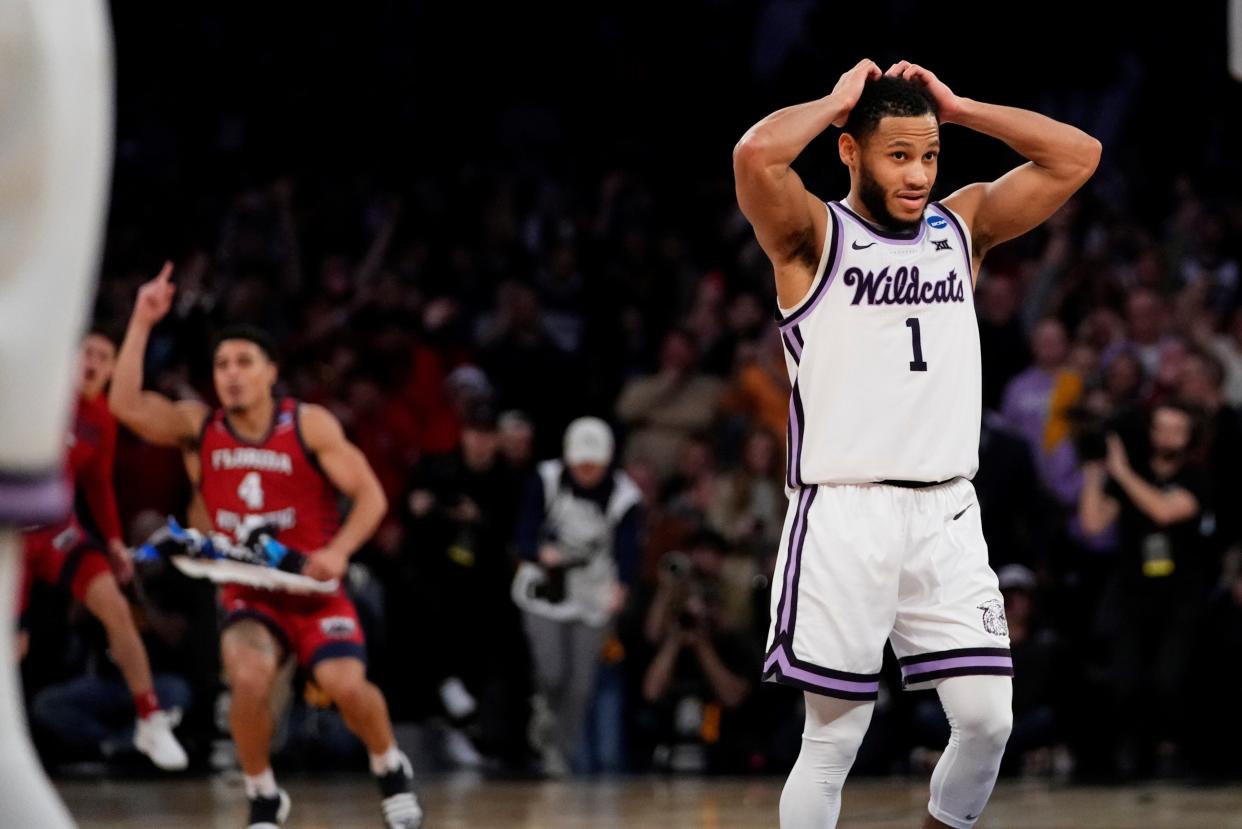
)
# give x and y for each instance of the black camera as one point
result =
(552, 588)
(1088, 430)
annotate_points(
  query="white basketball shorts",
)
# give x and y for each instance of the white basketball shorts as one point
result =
(861, 563)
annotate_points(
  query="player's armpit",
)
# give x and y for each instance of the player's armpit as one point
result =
(790, 224)
(342, 462)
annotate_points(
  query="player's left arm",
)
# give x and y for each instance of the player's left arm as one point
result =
(347, 468)
(1061, 158)
(100, 493)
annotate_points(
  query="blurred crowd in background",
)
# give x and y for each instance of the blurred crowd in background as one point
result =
(461, 253)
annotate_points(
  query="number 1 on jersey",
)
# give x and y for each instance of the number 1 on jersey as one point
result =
(917, 363)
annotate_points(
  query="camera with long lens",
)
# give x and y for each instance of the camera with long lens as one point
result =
(552, 588)
(1087, 431)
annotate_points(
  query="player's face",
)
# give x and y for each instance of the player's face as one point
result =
(896, 166)
(243, 374)
(98, 360)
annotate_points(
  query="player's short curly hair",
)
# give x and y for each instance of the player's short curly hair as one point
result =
(888, 97)
(249, 333)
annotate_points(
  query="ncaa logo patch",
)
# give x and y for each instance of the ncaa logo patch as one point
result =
(994, 617)
(937, 222)
(338, 627)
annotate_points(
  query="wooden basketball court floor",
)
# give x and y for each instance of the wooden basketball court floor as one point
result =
(464, 801)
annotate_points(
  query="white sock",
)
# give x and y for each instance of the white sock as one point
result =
(261, 785)
(980, 713)
(834, 730)
(390, 760)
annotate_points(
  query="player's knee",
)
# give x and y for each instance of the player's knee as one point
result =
(985, 726)
(251, 672)
(351, 694)
(347, 687)
(250, 679)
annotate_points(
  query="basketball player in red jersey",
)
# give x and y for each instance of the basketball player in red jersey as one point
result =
(280, 463)
(65, 555)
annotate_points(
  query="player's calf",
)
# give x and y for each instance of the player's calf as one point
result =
(153, 732)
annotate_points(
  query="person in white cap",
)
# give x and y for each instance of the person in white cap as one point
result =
(578, 534)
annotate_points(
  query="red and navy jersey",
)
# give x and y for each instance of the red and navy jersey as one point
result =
(91, 449)
(275, 481)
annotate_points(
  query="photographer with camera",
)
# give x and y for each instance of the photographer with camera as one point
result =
(700, 675)
(1159, 584)
(579, 534)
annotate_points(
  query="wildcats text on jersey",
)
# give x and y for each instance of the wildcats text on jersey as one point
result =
(245, 457)
(905, 286)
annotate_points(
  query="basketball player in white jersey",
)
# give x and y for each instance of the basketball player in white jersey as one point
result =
(55, 154)
(882, 539)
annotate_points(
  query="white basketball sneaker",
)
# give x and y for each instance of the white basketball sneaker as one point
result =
(153, 736)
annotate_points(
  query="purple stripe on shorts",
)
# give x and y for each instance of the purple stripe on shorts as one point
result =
(886, 238)
(797, 535)
(35, 500)
(824, 682)
(910, 671)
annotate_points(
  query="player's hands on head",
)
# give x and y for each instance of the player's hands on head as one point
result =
(950, 105)
(850, 87)
(155, 297)
(326, 564)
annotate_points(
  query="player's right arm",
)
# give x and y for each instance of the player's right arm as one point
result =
(149, 415)
(790, 223)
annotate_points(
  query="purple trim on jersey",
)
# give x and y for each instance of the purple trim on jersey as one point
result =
(887, 237)
(779, 668)
(961, 237)
(794, 346)
(830, 272)
(34, 500)
(797, 421)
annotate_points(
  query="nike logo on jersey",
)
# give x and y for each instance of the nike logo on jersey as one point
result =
(905, 286)
(857, 246)
(963, 512)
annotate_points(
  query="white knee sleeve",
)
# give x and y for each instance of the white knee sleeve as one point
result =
(834, 730)
(55, 157)
(980, 713)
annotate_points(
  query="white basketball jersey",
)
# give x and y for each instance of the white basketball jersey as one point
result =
(883, 356)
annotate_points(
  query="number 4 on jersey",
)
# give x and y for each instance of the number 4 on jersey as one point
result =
(251, 491)
(917, 363)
